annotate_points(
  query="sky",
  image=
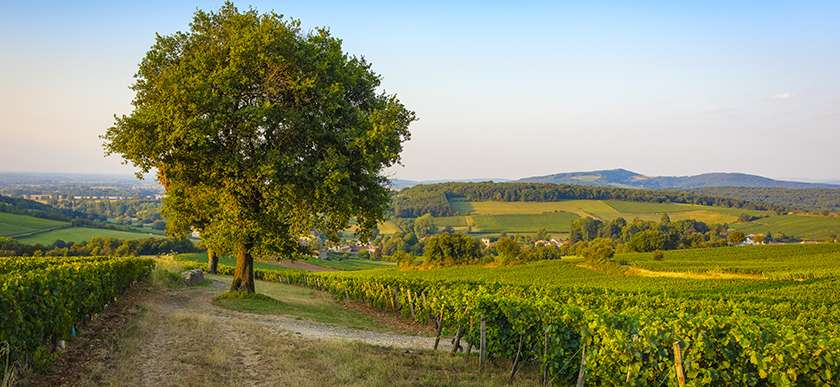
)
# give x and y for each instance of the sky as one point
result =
(502, 89)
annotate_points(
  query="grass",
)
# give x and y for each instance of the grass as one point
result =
(340, 265)
(349, 264)
(388, 227)
(199, 351)
(611, 209)
(81, 234)
(781, 267)
(201, 257)
(493, 217)
(555, 222)
(12, 225)
(281, 299)
(809, 227)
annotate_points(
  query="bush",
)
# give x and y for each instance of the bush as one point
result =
(600, 249)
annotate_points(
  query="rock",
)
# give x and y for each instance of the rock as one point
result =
(193, 277)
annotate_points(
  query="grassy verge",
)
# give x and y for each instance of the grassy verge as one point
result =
(297, 302)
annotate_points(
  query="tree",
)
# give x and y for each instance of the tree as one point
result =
(281, 130)
(508, 249)
(599, 250)
(648, 240)
(451, 249)
(424, 226)
(736, 237)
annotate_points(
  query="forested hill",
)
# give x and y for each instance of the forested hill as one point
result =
(435, 198)
(810, 199)
(630, 179)
(32, 208)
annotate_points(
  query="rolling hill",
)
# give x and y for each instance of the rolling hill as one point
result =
(629, 179)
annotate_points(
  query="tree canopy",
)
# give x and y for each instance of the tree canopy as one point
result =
(261, 132)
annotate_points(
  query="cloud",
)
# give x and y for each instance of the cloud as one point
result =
(783, 95)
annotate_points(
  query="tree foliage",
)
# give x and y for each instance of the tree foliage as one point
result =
(261, 132)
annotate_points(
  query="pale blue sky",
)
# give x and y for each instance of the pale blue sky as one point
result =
(501, 89)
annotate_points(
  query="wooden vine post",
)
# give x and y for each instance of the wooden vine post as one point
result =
(516, 360)
(396, 299)
(482, 357)
(411, 303)
(439, 328)
(456, 342)
(678, 366)
(582, 372)
(544, 375)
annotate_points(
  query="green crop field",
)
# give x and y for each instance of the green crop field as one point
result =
(451, 221)
(349, 264)
(776, 312)
(811, 227)
(388, 227)
(800, 261)
(81, 234)
(557, 222)
(526, 217)
(779, 266)
(13, 224)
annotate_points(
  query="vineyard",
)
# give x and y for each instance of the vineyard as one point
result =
(614, 329)
(43, 299)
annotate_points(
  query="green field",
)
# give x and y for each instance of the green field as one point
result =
(782, 268)
(810, 227)
(82, 234)
(12, 225)
(493, 217)
(555, 222)
(339, 265)
(231, 261)
(349, 264)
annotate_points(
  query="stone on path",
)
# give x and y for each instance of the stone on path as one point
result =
(193, 277)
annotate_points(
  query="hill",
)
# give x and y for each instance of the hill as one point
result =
(438, 199)
(21, 206)
(629, 179)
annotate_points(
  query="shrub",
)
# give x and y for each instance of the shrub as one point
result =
(600, 249)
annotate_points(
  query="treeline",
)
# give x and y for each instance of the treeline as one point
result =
(435, 198)
(644, 236)
(133, 212)
(98, 247)
(812, 199)
(419, 241)
(422, 199)
(32, 208)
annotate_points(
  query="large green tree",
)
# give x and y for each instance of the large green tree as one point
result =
(278, 130)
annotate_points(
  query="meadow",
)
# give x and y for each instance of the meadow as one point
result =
(495, 217)
(81, 234)
(12, 225)
(339, 265)
(809, 227)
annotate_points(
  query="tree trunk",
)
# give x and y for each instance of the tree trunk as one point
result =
(243, 277)
(212, 261)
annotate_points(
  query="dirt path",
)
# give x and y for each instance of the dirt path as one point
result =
(179, 337)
